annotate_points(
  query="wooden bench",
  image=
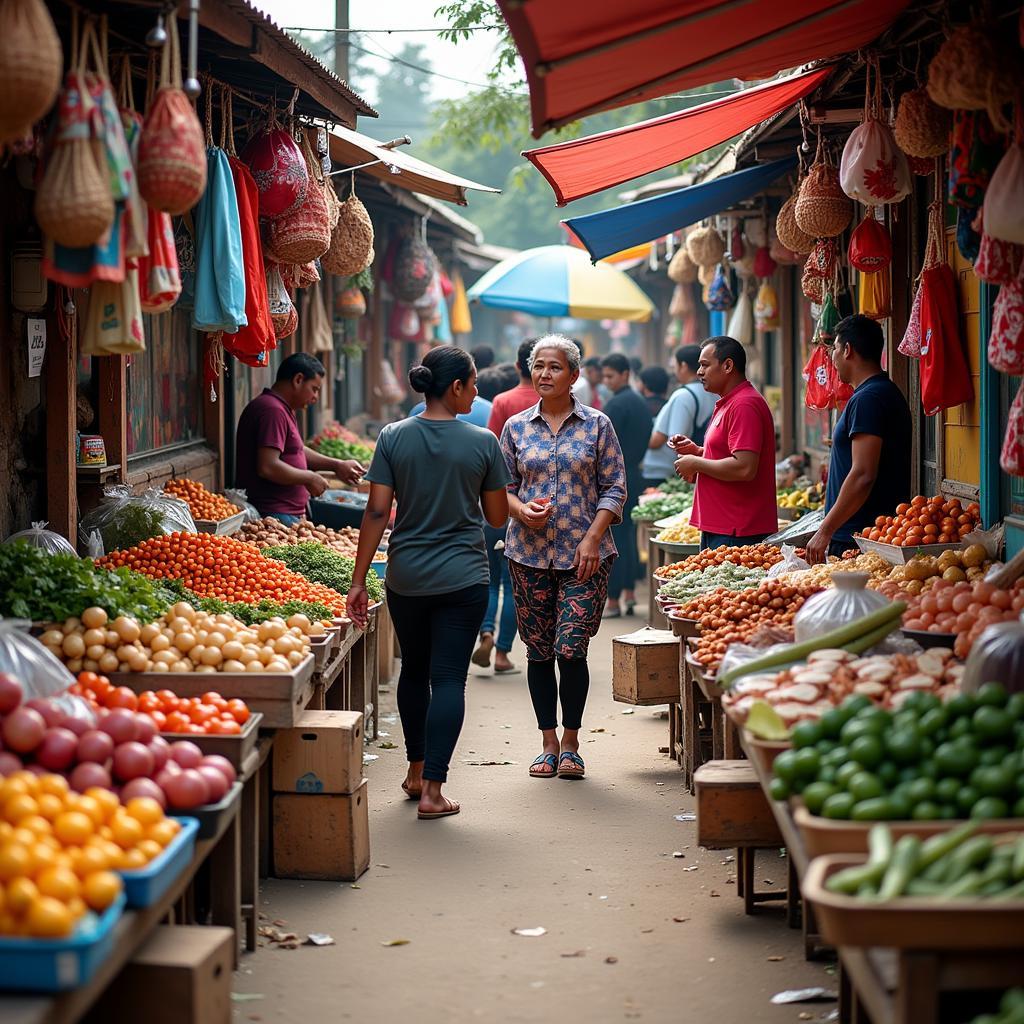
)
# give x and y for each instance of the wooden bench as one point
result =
(732, 813)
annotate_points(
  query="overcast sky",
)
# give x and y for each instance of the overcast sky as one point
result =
(468, 61)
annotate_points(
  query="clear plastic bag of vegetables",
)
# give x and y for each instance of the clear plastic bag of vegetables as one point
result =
(846, 601)
(24, 657)
(996, 657)
(46, 540)
(238, 497)
(791, 562)
(123, 519)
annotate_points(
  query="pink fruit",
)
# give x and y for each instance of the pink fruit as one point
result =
(186, 790)
(9, 763)
(95, 746)
(23, 730)
(87, 775)
(132, 760)
(11, 693)
(143, 787)
(161, 751)
(52, 715)
(119, 724)
(216, 783)
(57, 751)
(187, 754)
(222, 764)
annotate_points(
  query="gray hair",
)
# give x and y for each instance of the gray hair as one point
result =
(564, 345)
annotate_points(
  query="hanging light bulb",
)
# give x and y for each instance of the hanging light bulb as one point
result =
(191, 84)
(157, 35)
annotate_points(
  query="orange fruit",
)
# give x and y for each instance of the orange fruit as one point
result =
(89, 859)
(150, 848)
(131, 860)
(15, 861)
(18, 806)
(107, 799)
(73, 828)
(163, 831)
(60, 883)
(54, 785)
(91, 806)
(125, 830)
(100, 889)
(145, 810)
(21, 892)
(48, 918)
(50, 805)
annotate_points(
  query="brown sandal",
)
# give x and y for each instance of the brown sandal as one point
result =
(453, 808)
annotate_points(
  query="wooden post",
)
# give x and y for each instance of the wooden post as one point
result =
(213, 419)
(61, 400)
(112, 413)
(787, 338)
(374, 355)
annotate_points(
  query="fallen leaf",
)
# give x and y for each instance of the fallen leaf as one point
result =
(611, 959)
(396, 942)
(597, 730)
(680, 920)
(530, 933)
(388, 745)
(571, 956)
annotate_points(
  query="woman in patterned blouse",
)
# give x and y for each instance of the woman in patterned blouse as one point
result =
(568, 487)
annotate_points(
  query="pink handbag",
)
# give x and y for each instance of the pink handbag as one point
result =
(1006, 339)
(1012, 457)
(998, 262)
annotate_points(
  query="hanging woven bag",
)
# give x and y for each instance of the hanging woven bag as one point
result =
(705, 246)
(278, 168)
(823, 210)
(350, 303)
(873, 169)
(74, 205)
(812, 284)
(304, 234)
(351, 248)
(870, 248)
(172, 154)
(681, 269)
(414, 269)
(781, 253)
(922, 127)
(788, 231)
(1004, 200)
(31, 62)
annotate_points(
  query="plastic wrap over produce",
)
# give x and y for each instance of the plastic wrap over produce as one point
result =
(123, 519)
(46, 540)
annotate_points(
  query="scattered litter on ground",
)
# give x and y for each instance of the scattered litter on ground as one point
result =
(382, 865)
(775, 959)
(383, 734)
(354, 886)
(629, 711)
(680, 920)
(692, 867)
(678, 853)
(611, 959)
(729, 859)
(396, 942)
(319, 939)
(715, 892)
(530, 933)
(245, 997)
(367, 758)
(711, 959)
(388, 745)
(278, 938)
(489, 764)
(646, 931)
(804, 995)
(659, 783)
(686, 817)
(572, 956)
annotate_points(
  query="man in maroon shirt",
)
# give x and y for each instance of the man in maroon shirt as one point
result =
(521, 397)
(272, 462)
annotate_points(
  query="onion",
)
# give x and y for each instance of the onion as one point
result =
(161, 751)
(23, 730)
(11, 693)
(9, 763)
(52, 715)
(186, 790)
(95, 747)
(222, 764)
(216, 783)
(119, 724)
(132, 760)
(143, 787)
(87, 775)
(186, 754)
(57, 750)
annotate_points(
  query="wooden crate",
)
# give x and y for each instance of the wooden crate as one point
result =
(235, 748)
(732, 809)
(645, 667)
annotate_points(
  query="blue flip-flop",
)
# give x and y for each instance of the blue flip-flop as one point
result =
(547, 759)
(575, 769)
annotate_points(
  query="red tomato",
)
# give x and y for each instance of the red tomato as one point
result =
(239, 710)
(121, 697)
(177, 722)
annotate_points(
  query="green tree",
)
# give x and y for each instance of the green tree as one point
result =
(403, 95)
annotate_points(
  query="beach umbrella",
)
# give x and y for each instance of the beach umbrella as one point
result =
(560, 280)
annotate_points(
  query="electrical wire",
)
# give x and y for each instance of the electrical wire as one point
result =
(438, 29)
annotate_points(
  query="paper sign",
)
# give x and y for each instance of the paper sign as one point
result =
(36, 346)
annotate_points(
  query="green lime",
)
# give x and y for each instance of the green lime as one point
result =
(960, 705)
(845, 772)
(925, 810)
(927, 769)
(993, 694)
(932, 721)
(832, 722)
(836, 756)
(904, 745)
(962, 726)
(949, 812)
(952, 759)
(816, 794)
(867, 751)
(888, 772)
(827, 773)
(784, 765)
(806, 763)
(879, 808)
(864, 786)
(947, 790)
(1015, 705)
(989, 807)
(992, 780)
(805, 734)
(925, 702)
(922, 790)
(838, 806)
(996, 754)
(901, 805)
(855, 704)
(992, 722)
(778, 790)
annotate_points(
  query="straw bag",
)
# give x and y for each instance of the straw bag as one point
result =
(351, 248)
(681, 269)
(1004, 200)
(922, 127)
(172, 157)
(823, 210)
(74, 205)
(766, 308)
(278, 168)
(705, 275)
(705, 246)
(31, 62)
(304, 234)
(873, 169)
(870, 247)
(413, 270)
(788, 231)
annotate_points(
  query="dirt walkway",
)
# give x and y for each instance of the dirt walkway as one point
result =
(633, 932)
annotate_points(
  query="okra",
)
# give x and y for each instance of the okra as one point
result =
(998, 870)
(975, 852)
(1015, 892)
(851, 880)
(901, 868)
(920, 887)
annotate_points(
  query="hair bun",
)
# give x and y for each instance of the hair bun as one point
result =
(420, 378)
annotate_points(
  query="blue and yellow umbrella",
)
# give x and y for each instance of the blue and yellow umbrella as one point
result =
(560, 280)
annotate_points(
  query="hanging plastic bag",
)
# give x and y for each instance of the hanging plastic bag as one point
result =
(766, 309)
(40, 673)
(123, 519)
(720, 296)
(113, 324)
(846, 601)
(791, 562)
(875, 295)
(1004, 208)
(1011, 458)
(238, 497)
(996, 657)
(1006, 337)
(46, 540)
(741, 323)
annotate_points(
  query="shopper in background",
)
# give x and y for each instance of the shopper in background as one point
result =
(273, 464)
(869, 471)
(521, 397)
(479, 415)
(688, 411)
(483, 357)
(509, 374)
(489, 384)
(568, 487)
(590, 376)
(654, 388)
(632, 422)
(442, 471)
(636, 367)
(734, 502)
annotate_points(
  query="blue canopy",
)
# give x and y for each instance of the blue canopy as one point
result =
(611, 231)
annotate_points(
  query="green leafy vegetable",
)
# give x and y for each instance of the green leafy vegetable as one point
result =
(336, 448)
(251, 614)
(322, 565)
(131, 524)
(661, 508)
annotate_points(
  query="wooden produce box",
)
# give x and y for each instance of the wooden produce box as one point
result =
(705, 679)
(645, 667)
(321, 837)
(280, 697)
(235, 748)
(321, 647)
(732, 809)
(182, 973)
(322, 754)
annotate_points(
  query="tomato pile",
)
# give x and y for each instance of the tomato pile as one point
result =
(754, 556)
(212, 566)
(926, 521)
(210, 714)
(203, 504)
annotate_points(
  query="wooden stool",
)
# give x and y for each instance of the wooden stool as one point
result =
(733, 813)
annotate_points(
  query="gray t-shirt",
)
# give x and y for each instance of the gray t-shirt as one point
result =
(438, 470)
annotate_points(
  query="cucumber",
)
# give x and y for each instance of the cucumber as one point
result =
(901, 868)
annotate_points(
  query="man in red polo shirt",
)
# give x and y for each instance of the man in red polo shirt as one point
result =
(734, 503)
(520, 398)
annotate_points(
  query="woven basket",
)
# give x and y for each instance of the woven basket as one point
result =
(304, 235)
(31, 62)
(788, 231)
(681, 268)
(351, 248)
(413, 270)
(783, 254)
(922, 127)
(705, 246)
(823, 210)
(333, 204)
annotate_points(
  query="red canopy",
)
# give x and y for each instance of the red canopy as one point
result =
(585, 166)
(583, 56)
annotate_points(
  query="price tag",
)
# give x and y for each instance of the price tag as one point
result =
(36, 346)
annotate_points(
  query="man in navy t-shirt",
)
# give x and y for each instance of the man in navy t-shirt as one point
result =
(869, 472)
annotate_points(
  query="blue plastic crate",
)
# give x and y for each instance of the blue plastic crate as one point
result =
(144, 887)
(55, 965)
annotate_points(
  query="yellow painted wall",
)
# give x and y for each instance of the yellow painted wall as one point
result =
(961, 426)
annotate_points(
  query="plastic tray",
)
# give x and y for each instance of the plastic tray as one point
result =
(683, 627)
(208, 817)
(896, 555)
(927, 639)
(235, 748)
(56, 965)
(910, 922)
(144, 887)
(677, 549)
(221, 527)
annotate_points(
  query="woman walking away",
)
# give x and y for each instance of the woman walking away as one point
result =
(568, 487)
(442, 471)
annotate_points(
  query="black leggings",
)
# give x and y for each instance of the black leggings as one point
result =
(572, 687)
(436, 635)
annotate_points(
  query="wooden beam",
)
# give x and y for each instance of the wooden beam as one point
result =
(229, 25)
(61, 402)
(113, 418)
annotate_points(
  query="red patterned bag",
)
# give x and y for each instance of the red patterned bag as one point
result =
(870, 246)
(1006, 339)
(817, 374)
(159, 277)
(1012, 457)
(998, 262)
(945, 375)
